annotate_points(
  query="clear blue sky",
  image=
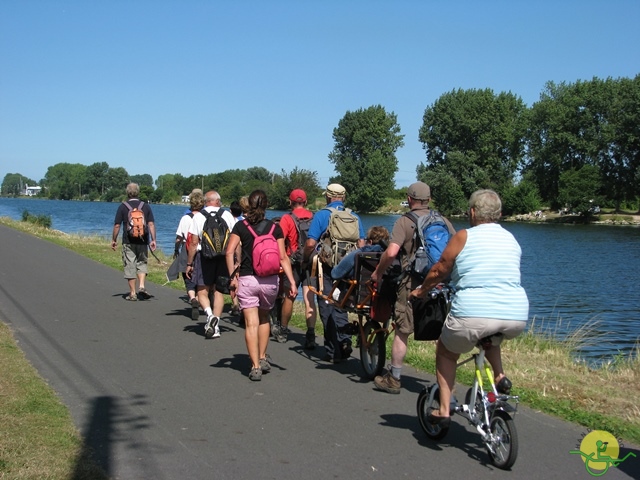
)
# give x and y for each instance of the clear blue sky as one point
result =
(204, 86)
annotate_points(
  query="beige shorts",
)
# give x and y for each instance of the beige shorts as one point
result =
(134, 259)
(461, 334)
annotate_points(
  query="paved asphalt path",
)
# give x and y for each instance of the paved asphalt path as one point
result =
(155, 400)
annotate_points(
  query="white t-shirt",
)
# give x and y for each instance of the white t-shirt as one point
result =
(183, 227)
(197, 223)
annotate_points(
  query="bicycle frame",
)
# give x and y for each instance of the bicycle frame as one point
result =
(490, 400)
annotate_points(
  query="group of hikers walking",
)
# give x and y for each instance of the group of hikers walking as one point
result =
(255, 259)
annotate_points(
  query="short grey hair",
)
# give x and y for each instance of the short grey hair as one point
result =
(211, 196)
(487, 205)
(133, 190)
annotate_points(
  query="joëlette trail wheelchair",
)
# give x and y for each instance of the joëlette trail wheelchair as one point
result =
(371, 306)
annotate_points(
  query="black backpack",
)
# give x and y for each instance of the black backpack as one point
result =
(215, 234)
(302, 227)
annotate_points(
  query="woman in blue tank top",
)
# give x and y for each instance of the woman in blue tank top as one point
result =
(484, 265)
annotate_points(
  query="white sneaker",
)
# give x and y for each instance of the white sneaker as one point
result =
(216, 332)
(209, 326)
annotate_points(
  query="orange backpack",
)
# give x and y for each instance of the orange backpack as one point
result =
(136, 225)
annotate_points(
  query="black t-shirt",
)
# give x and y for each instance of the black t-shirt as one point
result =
(246, 239)
(122, 218)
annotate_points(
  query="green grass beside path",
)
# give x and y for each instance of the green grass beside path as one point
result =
(38, 438)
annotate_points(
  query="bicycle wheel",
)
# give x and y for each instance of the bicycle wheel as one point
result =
(434, 432)
(372, 350)
(479, 404)
(505, 443)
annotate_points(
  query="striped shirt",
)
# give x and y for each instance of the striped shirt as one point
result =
(486, 275)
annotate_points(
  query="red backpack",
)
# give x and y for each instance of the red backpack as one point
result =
(266, 252)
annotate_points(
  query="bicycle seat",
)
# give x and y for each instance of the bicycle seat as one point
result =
(486, 343)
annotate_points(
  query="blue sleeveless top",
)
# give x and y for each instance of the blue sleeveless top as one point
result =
(486, 275)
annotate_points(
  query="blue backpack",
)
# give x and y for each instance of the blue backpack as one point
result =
(431, 237)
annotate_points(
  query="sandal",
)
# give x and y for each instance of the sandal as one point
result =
(438, 420)
(131, 298)
(504, 386)
(143, 294)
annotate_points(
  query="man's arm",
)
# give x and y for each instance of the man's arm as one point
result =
(386, 260)
(152, 231)
(114, 235)
(309, 247)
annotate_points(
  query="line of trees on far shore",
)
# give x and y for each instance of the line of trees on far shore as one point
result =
(576, 148)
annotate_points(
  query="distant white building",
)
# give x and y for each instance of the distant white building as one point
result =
(185, 198)
(31, 191)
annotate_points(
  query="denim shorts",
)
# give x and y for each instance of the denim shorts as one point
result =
(461, 334)
(260, 292)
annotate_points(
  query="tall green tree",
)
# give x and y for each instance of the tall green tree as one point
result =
(65, 180)
(447, 193)
(14, 183)
(143, 179)
(477, 136)
(364, 155)
(579, 188)
(285, 182)
(595, 123)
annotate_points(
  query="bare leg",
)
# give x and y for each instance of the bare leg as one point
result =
(287, 311)
(446, 364)
(132, 286)
(399, 348)
(264, 330)
(218, 303)
(251, 335)
(141, 277)
(309, 307)
(494, 357)
(203, 296)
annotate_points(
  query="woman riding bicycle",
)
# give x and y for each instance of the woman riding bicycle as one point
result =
(484, 265)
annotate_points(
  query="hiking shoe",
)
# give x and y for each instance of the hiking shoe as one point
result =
(209, 326)
(310, 341)
(255, 375)
(275, 330)
(387, 383)
(265, 364)
(281, 336)
(235, 310)
(195, 309)
(131, 298)
(143, 294)
(346, 350)
(331, 359)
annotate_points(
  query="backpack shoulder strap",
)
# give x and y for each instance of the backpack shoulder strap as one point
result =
(205, 213)
(251, 230)
(128, 205)
(139, 207)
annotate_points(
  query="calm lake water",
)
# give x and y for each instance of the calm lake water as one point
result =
(574, 275)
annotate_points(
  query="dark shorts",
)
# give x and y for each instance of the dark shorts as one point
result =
(299, 275)
(206, 271)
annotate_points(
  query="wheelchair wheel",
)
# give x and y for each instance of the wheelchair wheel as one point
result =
(434, 432)
(372, 350)
(504, 449)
